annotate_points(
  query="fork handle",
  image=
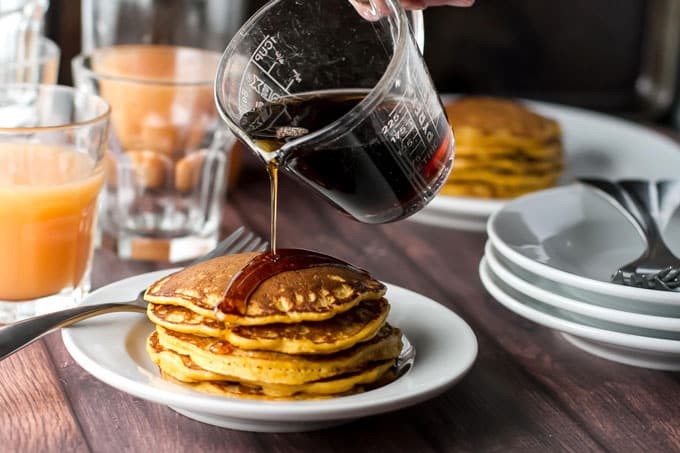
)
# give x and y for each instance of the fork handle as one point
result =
(631, 204)
(646, 206)
(18, 335)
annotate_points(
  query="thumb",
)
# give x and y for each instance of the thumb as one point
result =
(371, 10)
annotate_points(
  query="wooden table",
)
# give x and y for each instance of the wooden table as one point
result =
(529, 390)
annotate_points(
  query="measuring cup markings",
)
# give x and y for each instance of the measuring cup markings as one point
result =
(396, 130)
(266, 54)
(409, 132)
(432, 103)
(257, 84)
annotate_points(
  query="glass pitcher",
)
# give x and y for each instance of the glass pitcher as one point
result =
(343, 104)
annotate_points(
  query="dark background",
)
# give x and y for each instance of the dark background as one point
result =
(587, 53)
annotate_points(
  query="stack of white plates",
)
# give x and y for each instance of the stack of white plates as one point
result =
(549, 259)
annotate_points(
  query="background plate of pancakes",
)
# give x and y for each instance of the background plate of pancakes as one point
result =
(113, 349)
(593, 144)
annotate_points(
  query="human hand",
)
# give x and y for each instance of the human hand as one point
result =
(375, 9)
(422, 4)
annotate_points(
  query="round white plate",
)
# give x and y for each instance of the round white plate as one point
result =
(663, 326)
(573, 236)
(595, 144)
(632, 305)
(637, 350)
(112, 348)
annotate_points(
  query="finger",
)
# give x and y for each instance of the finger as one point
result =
(421, 4)
(371, 10)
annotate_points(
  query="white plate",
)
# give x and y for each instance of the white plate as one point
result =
(637, 350)
(112, 348)
(595, 145)
(633, 305)
(660, 326)
(573, 236)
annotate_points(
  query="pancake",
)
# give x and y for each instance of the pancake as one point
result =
(501, 164)
(546, 151)
(236, 390)
(181, 319)
(481, 189)
(487, 121)
(218, 356)
(505, 179)
(321, 337)
(313, 294)
(503, 149)
(183, 369)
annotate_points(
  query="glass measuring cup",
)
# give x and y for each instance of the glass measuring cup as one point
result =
(343, 104)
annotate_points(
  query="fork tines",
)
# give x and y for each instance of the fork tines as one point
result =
(240, 241)
(667, 279)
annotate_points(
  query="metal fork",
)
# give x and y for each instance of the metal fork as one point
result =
(16, 336)
(650, 205)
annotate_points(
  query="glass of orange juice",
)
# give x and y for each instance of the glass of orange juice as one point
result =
(52, 147)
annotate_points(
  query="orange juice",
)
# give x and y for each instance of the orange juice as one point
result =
(48, 205)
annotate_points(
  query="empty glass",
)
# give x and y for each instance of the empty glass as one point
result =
(42, 66)
(21, 24)
(155, 62)
(166, 158)
(205, 24)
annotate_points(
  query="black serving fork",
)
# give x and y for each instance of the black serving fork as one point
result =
(650, 205)
(15, 336)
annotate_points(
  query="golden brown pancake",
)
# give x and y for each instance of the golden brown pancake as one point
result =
(181, 319)
(503, 149)
(493, 121)
(183, 369)
(313, 294)
(312, 337)
(236, 390)
(503, 179)
(514, 165)
(548, 151)
(218, 356)
(481, 189)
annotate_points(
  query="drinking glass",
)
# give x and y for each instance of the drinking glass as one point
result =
(21, 25)
(343, 104)
(42, 66)
(52, 143)
(155, 62)
(167, 158)
(204, 24)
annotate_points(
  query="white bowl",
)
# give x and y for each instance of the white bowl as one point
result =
(627, 348)
(575, 237)
(659, 326)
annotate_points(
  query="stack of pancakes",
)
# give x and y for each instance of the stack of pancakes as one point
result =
(303, 334)
(503, 149)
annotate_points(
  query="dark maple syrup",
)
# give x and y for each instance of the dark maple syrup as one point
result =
(368, 179)
(266, 265)
(376, 173)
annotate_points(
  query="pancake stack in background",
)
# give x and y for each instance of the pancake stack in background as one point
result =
(503, 149)
(305, 334)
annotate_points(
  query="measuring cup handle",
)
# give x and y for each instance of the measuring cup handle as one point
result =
(418, 28)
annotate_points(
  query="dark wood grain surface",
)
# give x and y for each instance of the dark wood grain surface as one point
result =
(528, 391)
